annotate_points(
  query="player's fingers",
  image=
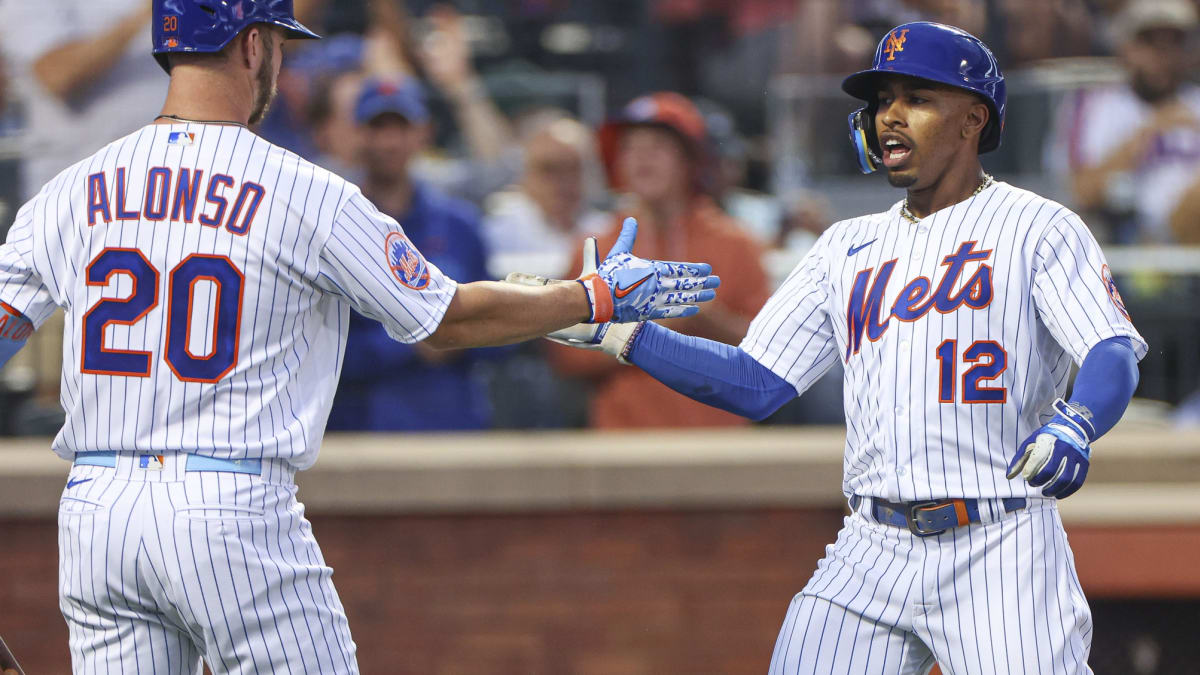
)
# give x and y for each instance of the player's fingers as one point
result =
(1050, 471)
(1038, 467)
(625, 241)
(674, 312)
(1018, 462)
(580, 332)
(689, 283)
(1075, 484)
(526, 279)
(667, 269)
(590, 259)
(685, 298)
(573, 343)
(1063, 477)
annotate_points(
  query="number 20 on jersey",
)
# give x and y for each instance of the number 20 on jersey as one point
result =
(222, 333)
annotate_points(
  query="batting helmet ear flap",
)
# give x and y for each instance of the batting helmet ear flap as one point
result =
(863, 140)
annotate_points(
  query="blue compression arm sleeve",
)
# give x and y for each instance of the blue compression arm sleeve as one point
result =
(722, 376)
(1106, 381)
(14, 330)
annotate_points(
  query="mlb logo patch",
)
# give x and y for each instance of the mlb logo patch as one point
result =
(151, 462)
(181, 138)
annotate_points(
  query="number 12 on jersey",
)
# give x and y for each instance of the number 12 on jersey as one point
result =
(225, 330)
(990, 361)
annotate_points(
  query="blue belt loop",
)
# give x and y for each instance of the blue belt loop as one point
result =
(108, 458)
(102, 458)
(205, 463)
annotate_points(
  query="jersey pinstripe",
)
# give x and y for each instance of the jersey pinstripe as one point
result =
(956, 334)
(181, 220)
(160, 568)
(885, 601)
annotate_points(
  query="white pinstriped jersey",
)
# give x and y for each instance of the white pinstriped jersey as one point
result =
(956, 334)
(207, 277)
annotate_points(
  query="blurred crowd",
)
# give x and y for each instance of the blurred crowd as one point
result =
(500, 134)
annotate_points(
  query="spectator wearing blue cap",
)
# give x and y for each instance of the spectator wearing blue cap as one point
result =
(386, 386)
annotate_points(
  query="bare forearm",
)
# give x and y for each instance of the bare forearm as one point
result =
(1091, 183)
(486, 131)
(389, 50)
(306, 11)
(65, 70)
(489, 313)
(1185, 219)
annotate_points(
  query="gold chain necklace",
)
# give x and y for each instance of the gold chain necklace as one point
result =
(908, 215)
(186, 120)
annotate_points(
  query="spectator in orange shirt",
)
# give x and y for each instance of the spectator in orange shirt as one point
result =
(656, 152)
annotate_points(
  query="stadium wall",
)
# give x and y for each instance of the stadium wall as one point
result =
(618, 554)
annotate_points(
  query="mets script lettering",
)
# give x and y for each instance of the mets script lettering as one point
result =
(865, 307)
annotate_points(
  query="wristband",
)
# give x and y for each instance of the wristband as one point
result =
(15, 329)
(1078, 416)
(627, 348)
(13, 325)
(599, 297)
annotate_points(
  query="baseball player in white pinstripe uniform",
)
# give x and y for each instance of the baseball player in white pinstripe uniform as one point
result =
(957, 315)
(207, 278)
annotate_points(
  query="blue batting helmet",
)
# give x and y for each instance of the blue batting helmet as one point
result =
(205, 26)
(934, 52)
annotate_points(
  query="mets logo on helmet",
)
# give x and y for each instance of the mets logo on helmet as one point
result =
(405, 261)
(895, 43)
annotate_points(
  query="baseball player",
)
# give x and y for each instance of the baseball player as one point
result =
(207, 278)
(957, 314)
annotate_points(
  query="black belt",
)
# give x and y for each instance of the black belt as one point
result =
(931, 517)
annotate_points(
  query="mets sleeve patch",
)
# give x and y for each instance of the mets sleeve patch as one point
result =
(406, 262)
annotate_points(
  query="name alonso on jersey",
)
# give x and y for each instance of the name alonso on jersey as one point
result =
(177, 195)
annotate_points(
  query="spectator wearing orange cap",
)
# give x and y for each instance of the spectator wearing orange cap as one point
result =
(655, 153)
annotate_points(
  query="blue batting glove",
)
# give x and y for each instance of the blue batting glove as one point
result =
(647, 289)
(1057, 455)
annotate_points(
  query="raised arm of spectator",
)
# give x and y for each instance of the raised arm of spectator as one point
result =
(1090, 183)
(446, 58)
(306, 11)
(72, 66)
(389, 47)
(1185, 220)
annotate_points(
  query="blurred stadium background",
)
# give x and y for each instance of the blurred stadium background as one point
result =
(517, 528)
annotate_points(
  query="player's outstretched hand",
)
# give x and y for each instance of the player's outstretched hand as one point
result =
(611, 338)
(1056, 455)
(639, 289)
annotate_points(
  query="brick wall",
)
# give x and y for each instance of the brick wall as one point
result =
(622, 593)
(601, 593)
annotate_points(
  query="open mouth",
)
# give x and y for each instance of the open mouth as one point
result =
(895, 153)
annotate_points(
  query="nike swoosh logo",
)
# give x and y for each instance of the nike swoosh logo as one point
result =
(856, 249)
(77, 481)
(622, 292)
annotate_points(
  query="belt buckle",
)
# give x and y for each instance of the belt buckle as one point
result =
(910, 518)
